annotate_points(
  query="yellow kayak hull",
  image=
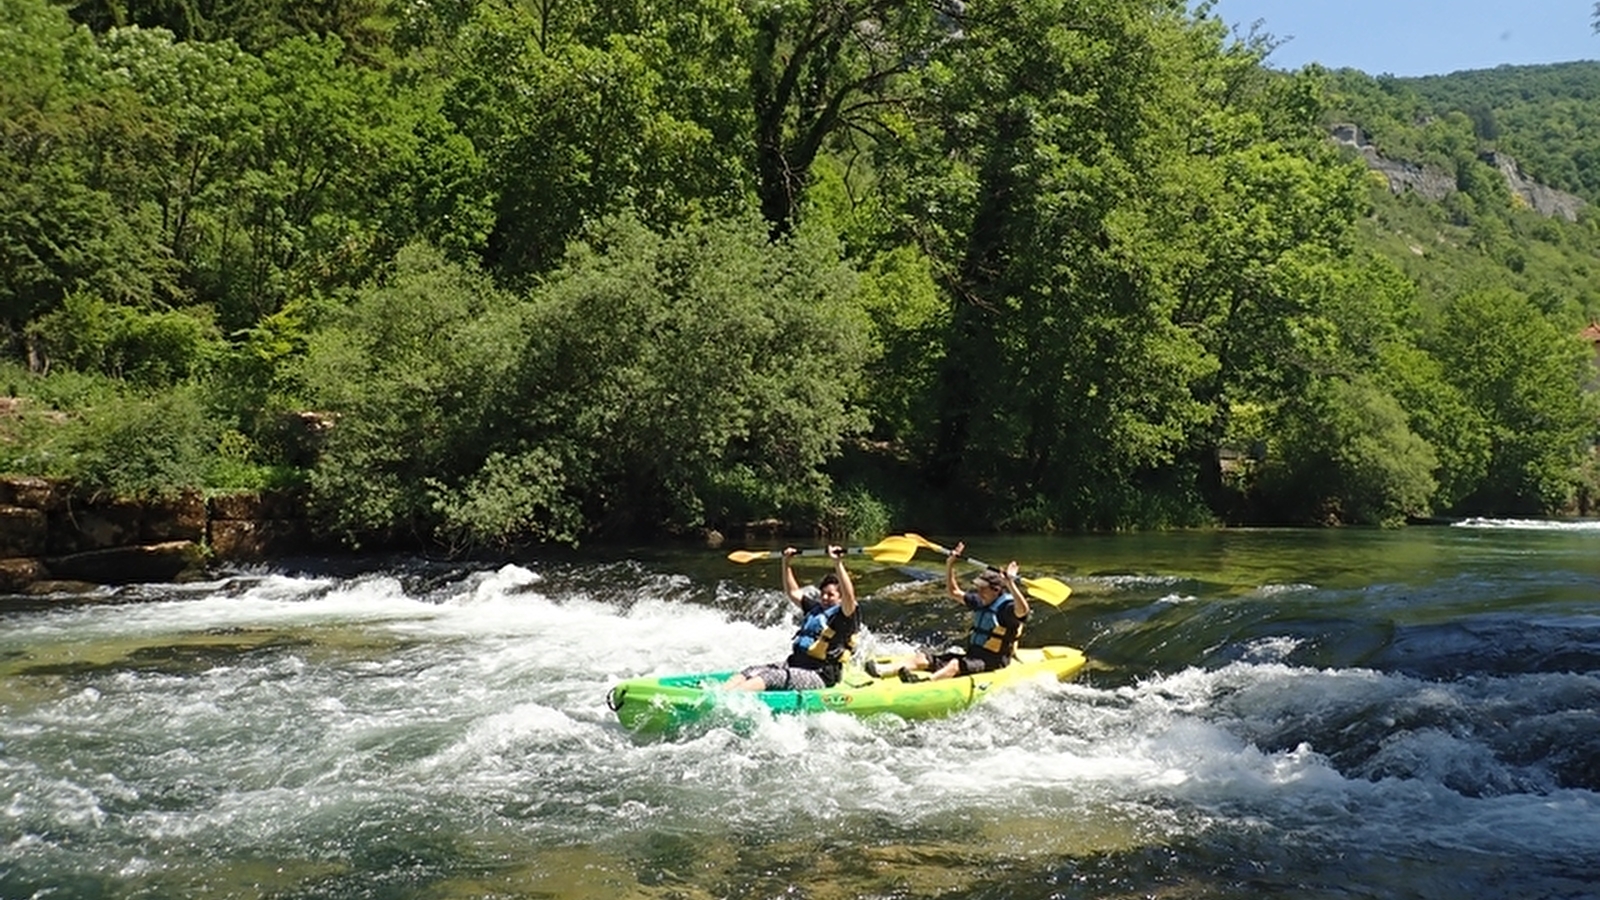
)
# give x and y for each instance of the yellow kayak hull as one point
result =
(665, 703)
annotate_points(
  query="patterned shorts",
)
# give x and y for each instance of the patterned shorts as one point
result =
(784, 677)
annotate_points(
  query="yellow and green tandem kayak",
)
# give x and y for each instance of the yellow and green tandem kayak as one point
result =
(665, 703)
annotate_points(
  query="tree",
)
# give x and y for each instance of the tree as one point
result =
(1441, 414)
(1037, 127)
(70, 214)
(205, 99)
(282, 175)
(721, 384)
(255, 25)
(1525, 376)
(410, 367)
(821, 68)
(589, 110)
(1343, 452)
(1108, 197)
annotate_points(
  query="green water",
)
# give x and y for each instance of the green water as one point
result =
(1268, 714)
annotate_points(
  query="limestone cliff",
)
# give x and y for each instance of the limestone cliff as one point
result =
(1435, 184)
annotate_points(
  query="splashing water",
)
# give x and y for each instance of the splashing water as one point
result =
(441, 732)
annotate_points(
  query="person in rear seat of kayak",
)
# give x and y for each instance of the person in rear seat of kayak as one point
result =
(829, 620)
(999, 609)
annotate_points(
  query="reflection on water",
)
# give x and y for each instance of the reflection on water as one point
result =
(1272, 714)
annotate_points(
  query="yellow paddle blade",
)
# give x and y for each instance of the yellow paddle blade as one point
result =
(745, 556)
(892, 549)
(923, 542)
(1049, 590)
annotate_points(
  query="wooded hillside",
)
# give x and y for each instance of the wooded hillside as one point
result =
(544, 271)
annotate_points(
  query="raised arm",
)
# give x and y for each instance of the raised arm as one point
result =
(1014, 587)
(950, 582)
(847, 588)
(790, 585)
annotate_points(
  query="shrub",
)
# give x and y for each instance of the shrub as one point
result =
(859, 514)
(151, 348)
(140, 447)
(236, 466)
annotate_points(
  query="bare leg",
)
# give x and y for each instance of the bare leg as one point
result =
(916, 662)
(949, 670)
(740, 683)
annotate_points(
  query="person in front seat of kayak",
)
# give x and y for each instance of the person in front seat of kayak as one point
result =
(999, 608)
(829, 620)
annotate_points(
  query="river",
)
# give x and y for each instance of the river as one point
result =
(1266, 714)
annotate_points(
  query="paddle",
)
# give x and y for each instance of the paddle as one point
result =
(894, 549)
(1049, 590)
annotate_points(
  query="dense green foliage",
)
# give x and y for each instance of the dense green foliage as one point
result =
(650, 381)
(545, 271)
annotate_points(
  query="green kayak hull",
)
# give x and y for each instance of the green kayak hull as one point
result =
(666, 703)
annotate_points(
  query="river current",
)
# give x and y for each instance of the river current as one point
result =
(1266, 714)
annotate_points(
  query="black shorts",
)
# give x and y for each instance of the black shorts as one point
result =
(967, 663)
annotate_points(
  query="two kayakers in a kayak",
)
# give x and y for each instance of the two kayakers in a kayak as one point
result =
(829, 622)
(999, 609)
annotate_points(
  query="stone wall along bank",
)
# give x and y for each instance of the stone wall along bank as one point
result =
(52, 539)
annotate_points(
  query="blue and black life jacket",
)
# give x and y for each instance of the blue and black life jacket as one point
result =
(989, 633)
(826, 634)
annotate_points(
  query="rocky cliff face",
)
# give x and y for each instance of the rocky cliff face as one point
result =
(1425, 181)
(1544, 200)
(1436, 184)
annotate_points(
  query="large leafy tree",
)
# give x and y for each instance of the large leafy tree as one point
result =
(1358, 428)
(255, 25)
(284, 174)
(1344, 453)
(823, 71)
(720, 383)
(1259, 215)
(1523, 375)
(1440, 413)
(409, 367)
(590, 109)
(1107, 192)
(1042, 116)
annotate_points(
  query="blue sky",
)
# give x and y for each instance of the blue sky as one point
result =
(1419, 37)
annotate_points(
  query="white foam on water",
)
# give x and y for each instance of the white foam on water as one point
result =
(1188, 737)
(484, 703)
(1280, 590)
(1530, 524)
